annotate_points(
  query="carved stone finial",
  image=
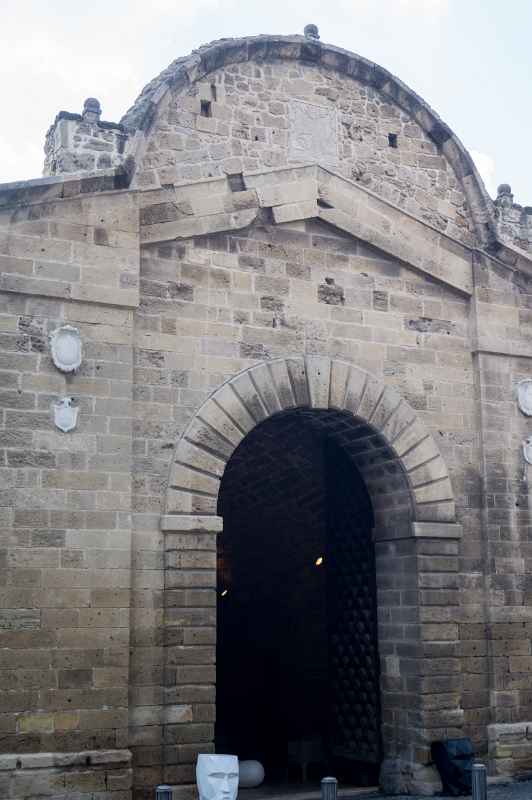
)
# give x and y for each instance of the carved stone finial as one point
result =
(92, 110)
(505, 198)
(311, 32)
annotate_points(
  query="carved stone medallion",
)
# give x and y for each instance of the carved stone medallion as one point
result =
(65, 343)
(313, 133)
(65, 414)
(524, 396)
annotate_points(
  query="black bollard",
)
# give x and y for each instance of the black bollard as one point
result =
(479, 782)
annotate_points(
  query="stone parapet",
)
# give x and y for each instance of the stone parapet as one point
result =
(514, 222)
(82, 143)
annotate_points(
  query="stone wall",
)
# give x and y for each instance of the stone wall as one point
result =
(503, 300)
(510, 749)
(108, 533)
(97, 773)
(254, 115)
(214, 305)
(66, 257)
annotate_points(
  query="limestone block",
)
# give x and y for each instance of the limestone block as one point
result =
(221, 423)
(281, 381)
(293, 192)
(183, 478)
(298, 378)
(290, 212)
(199, 458)
(425, 451)
(434, 492)
(372, 394)
(410, 437)
(355, 388)
(262, 379)
(250, 397)
(202, 434)
(319, 379)
(339, 377)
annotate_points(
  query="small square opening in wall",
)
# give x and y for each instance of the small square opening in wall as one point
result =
(206, 108)
(392, 139)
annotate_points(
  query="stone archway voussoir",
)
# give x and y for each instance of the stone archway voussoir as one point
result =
(281, 380)
(356, 383)
(250, 397)
(316, 382)
(227, 398)
(189, 479)
(218, 420)
(387, 405)
(339, 376)
(261, 377)
(372, 394)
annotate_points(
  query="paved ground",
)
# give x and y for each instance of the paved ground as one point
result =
(514, 790)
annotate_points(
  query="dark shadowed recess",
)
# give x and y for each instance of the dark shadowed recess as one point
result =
(297, 654)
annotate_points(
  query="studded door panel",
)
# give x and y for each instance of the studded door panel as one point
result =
(354, 730)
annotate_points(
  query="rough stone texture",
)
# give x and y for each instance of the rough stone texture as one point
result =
(101, 774)
(510, 749)
(376, 286)
(253, 125)
(81, 143)
(514, 221)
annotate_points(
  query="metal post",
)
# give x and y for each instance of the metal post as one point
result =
(163, 793)
(479, 781)
(329, 787)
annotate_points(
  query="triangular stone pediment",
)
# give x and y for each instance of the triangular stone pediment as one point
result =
(298, 193)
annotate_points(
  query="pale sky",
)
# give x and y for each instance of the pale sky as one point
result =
(470, 60)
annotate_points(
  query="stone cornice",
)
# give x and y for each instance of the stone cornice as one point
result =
(305, 192)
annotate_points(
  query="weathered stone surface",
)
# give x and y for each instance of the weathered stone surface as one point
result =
(232, 284)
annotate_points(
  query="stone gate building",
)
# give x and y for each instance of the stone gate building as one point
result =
(303, 325)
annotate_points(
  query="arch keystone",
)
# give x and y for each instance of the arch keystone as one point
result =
(339, 377)
(319, 380)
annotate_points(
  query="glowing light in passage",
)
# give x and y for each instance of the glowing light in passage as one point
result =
(319, 561)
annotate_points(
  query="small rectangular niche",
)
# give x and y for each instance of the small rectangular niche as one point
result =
(213, 92)
(392, 140)
(206, 108)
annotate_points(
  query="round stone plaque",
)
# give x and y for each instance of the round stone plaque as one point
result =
(524, 396)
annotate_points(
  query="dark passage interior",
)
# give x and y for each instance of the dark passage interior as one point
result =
(297, 659)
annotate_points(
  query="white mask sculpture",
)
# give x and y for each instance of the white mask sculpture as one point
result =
(217, 777)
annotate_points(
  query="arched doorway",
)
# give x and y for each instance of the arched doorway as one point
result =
(297, 651)
(413, 507)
